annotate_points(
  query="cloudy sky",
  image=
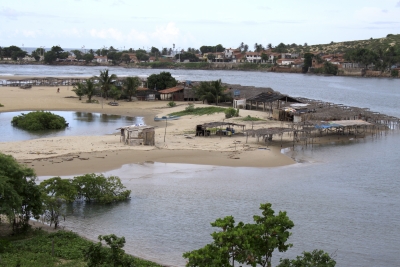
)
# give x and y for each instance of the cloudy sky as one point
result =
(142, 24)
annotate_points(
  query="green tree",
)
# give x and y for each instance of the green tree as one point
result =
(79, 90)
(106, 80)
(50, 57)
(316, 258)
(96, 255)
(89, 89)
(20, 197)
(78, 54)
(126, 58)
(210, 91)
(161, 81)
(250, 244)
(264, 57)
(115, 92)
(39, 120)
(131, 84)
(57, 50)
(141, 55)
(88, 57)
(330, 68)
(211, 57)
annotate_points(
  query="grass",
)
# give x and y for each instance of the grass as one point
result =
(249, 118)
(35, 249)
(1, 105)
(199, 111)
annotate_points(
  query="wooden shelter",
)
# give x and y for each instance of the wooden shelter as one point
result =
(218, 128)
(137, 135)
(172, 94)
(269, 99)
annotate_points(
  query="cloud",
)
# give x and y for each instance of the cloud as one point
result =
(385, 22)
(398, 4)
(110, 33)
(263, 8)
(118, 3)
(166, 34)
(14, 14)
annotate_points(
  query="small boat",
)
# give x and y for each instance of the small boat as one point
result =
(163, 118)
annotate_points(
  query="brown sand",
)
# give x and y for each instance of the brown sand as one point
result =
(72, 155)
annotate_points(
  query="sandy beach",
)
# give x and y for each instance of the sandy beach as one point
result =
(71, 155)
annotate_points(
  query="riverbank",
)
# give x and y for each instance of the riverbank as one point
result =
(72, 155)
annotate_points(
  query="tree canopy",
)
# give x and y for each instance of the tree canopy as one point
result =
(161, 81)
(20, 197)
(106, 80)
(131, 84)
(251, 243)
(39, 120)
(212, 91)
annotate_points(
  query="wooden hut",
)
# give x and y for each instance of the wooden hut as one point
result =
(137, 135)
(172, 94)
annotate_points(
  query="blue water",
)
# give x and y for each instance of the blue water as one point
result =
(343, 198)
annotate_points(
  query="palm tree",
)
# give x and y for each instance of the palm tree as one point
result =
(79, 90)
(210, 91)
(89, 89)
(106, 81)
(130, 85)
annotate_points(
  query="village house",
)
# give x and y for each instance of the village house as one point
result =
(285, 61)
(100, 59)
(253, 57)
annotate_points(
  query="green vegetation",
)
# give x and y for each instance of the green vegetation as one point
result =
(36, 249)
(231, 112)
(161, 81)
(253, 243)
(131, 84)
(106, 80)
(39, 120)
(1, 105)
(19, 194)
(212, 92)
(249, 118)
(171, 104)
(199, 111)
(86, 88)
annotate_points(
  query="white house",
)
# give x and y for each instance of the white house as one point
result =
(253, 57)
(100, 59)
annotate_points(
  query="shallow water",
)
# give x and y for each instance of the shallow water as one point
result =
(343, 198)
(80, 123)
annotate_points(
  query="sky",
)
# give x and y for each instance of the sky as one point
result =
(135, 24)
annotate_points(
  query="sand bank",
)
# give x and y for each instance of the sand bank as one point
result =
(81, 154)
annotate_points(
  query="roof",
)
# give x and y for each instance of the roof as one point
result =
(170, 90)
(136, 127)
(271, 97)
(221, 123)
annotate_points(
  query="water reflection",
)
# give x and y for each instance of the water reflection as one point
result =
(80, 123)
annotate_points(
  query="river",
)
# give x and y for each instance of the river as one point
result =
(343, 198)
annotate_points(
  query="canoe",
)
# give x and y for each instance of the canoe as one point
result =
(163, 118)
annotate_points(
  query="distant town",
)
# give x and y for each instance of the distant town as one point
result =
(374, 57)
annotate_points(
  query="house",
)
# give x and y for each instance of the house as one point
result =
(137, 135)
(172, 94)
(230, 52)
(100, 59)
(285, 61)
(253, 57)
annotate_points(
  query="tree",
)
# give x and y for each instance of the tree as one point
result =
(89, 89)
(330, 68)
(106, 80)
(269, 46)
(50, 57)
(88, 57)
(250, 244)
(96, 255)
(79, 90)
(264, 57)
(307, 61)
(130, 85)
(316, 258)
(161, 81)
(115, 92)
(126, 58)
(78, 54)
(20, 197)
(210, 91)
(211, 57)
(57, 50)
(141, 55)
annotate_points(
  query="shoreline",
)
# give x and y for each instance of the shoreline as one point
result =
(72, 155)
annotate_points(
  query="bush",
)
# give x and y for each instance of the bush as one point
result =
(190, 108)
(39, 120)
(1, 105)
(171, 104)
(394, 73)
(230, 112)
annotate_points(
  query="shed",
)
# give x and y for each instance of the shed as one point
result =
(137, 135)
(173, 94)
(218, 128)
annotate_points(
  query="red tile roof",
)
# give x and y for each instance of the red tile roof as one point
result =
(170, 90)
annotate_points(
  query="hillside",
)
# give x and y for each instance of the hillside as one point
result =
(333, 47)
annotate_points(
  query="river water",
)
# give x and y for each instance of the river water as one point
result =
(343, 197)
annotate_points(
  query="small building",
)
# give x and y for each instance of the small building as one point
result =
(172, 94)
(137, 135)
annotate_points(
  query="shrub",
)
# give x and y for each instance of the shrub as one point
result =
(190, 108)
(230, 112)
(39, 120)
(1, 105)
(171, 104)
(394, 73)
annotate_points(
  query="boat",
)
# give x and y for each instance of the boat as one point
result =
(168, 118)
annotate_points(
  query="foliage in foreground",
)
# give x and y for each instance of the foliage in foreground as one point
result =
(253, 244)
(250, 118)
(199, 111)
(35, 249)
(39, 120)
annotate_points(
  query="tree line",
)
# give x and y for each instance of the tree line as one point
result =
(21, 198)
